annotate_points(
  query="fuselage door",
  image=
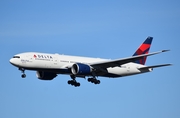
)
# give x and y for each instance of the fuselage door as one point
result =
(55, 60)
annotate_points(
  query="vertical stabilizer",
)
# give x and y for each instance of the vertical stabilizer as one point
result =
(143, 49)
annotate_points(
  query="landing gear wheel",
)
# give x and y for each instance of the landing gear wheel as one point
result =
(97, 82)
(94, 80)
(77, 84)
(90, 79)
(23, 72)
(73, 83)
(69, 82)
(23, 75)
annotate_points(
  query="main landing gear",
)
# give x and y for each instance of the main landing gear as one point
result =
(73, 82)
(23, 72)
(94, 80)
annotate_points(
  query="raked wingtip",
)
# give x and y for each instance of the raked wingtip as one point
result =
(165, 50)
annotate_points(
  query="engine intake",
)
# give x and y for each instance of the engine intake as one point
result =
(81, 69)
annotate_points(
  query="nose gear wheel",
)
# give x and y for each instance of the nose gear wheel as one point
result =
(23, 72)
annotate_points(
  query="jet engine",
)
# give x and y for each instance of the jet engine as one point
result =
(81, 69)
(45, 75)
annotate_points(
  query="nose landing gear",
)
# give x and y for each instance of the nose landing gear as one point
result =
(23, 72)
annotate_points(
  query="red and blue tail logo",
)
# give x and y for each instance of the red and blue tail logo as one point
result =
(143, 49)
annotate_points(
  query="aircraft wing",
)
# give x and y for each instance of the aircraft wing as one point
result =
(118, 62)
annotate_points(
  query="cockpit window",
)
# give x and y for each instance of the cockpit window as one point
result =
(16, 56)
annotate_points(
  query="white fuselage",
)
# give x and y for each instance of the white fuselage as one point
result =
(60, 64)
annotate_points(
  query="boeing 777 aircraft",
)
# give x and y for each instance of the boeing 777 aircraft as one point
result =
(47, 66)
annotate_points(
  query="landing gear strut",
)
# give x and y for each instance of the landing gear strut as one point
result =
(73, 82)
(93, 79)
(23, 72)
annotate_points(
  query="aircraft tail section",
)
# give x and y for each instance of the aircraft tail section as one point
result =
(143, 49)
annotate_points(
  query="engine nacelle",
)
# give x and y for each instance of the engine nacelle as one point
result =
(45, 75)
(80, 69)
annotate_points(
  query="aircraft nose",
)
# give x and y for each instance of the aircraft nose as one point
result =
(11, 60)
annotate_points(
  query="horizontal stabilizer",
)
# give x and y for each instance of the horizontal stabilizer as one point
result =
(155, 66)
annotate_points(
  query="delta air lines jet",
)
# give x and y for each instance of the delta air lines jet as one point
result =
(48, 66)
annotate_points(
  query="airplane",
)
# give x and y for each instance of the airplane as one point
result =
(48, 66)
